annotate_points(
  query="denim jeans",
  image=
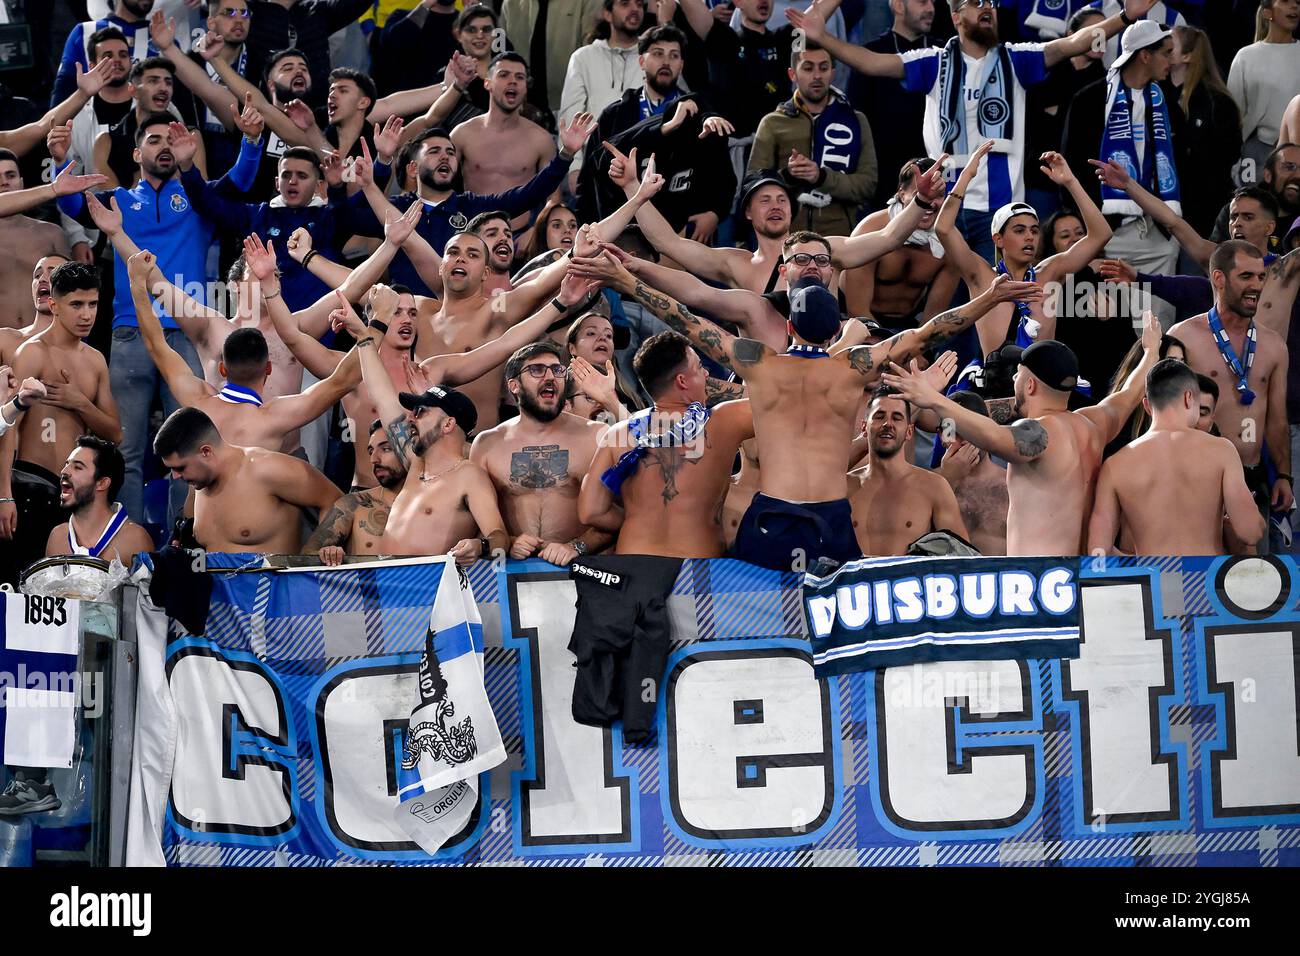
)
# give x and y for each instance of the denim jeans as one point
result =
(974, 228)
(135, 381)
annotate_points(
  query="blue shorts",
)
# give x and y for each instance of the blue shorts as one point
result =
(782, 535)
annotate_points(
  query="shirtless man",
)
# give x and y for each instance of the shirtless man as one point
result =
(805, 401)
(446, 504)
(97, 526)
(1199, 477)
(537, 461)
(979, 484)
(897, 502)
(501, 149)
(246, 499)
(673, 488)
(1016, 237)
(910, 284)
(10, 339)
(1052, 454)
(1253, 387)
(356, 524)
(763, 316)
(24, 242)
(78, 400)
(744, 485)
(494, 229)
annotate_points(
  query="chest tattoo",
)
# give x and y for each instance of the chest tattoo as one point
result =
(539, 466)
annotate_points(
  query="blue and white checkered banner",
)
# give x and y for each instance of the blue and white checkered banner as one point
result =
(1171, 739)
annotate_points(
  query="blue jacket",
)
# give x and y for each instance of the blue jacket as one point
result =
(74, 52)
(439, 223)
(164, 222)
(271, 223)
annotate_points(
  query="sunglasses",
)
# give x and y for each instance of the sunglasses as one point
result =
(977, 4)
(236, 14)
(476, 31)
(539, 370)
(801, 259)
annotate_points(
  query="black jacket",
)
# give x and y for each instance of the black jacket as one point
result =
(1086, 122)
(306, 26)
(698, 171)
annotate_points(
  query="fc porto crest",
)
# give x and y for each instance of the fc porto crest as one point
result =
(458, 220)
(178, 203)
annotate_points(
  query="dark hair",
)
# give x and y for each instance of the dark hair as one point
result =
(1167, 342)
(402, 289)
(1045, 247)
(376, 425)
(1208, 386)
(971, 402)
(1271, 162)
(363, 81)
(536, 244)
(284, 54)
(1167, 380)
(99, 36)
(73, 277)
(465, 232)
(477, 223)
(1222, 259)
(108, 462)
(151, 63)
(473, 12)
(664, 33)
(1261, 196)
(515, 364)
(185, 431)
(803, 235)
(509, 56)
(149, 122)
(659, 360)
(245, 355)
(8, 154)
(907, 172)
(1076, 20)
(407, 153)
(306, 154)
(809, 46)
(888, 391)
(238, 269)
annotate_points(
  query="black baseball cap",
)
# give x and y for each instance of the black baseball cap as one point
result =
(455, 404)
(756, 181)
(1051, 361)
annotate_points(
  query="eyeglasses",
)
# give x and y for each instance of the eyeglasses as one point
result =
(801, 259)
(236, 14)
(538, 370)
(476, 31)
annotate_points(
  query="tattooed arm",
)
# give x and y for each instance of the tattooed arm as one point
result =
(718, 391)
(1278, 298)
(331, 536)
(375, 377)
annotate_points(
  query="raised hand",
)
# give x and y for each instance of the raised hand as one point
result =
(259, 258)
(596, 385)
(1151, 333)
(162, 31)
(958, 462)
(702, 226)
(973, 164)
(1136, 9)
(810, 21)
(575, 288)
(651, 181)
(576, 131)
(140, 265)
(681, 110)
(211, 45)
(587, 241)
(1056, 168)
(383, 301)
(912, 385)
(344, 317)
(331, 164)
(58, 139)
(460, 71)
(1112, 174)
(603, 268)
(622, 168)
(801, 167)
(363, 167)
(932, 186)
(250, 121)
(183, 142)
(300, 115)
(397, 229)
(940, 373)
(1003, 288)
(716, 126)
(299, 244)
(1117, 270)
(106, 220)
(92, 81)
(65, 184)
(388, 138)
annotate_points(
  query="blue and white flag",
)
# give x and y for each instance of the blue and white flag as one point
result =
(888, 612)
(452, 735)
(39, 639)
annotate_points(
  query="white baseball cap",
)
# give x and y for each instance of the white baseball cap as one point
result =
(1139, 36)
(1006, 212)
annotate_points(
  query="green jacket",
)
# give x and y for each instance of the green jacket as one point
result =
(790, 127)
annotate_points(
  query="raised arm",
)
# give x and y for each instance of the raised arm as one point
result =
(295, 411)
(1021, 442)
(1115, 409)
(1116, 177)
(186, 387)
(65, 184)
(1098, 229)
(853, 251)
(27, 137)
(813, 24)
(1082, 41)
(973, 269)
(217, 98)
(1278, 298)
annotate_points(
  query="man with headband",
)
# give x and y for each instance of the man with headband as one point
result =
(805, 404)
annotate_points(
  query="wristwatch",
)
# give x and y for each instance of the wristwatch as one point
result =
(484, 547)
(577, 544)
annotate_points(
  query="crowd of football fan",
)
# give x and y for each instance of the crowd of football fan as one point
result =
(794, 283)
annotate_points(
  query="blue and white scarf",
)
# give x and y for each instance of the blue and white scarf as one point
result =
(1240, 368)
(239, 395)
(996, 110)
(1051, 18)
(807, 351)
(682, 432)
(649, 109)
(837, 136)
(1158, 173)
(113, 527)
(1027, 327)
